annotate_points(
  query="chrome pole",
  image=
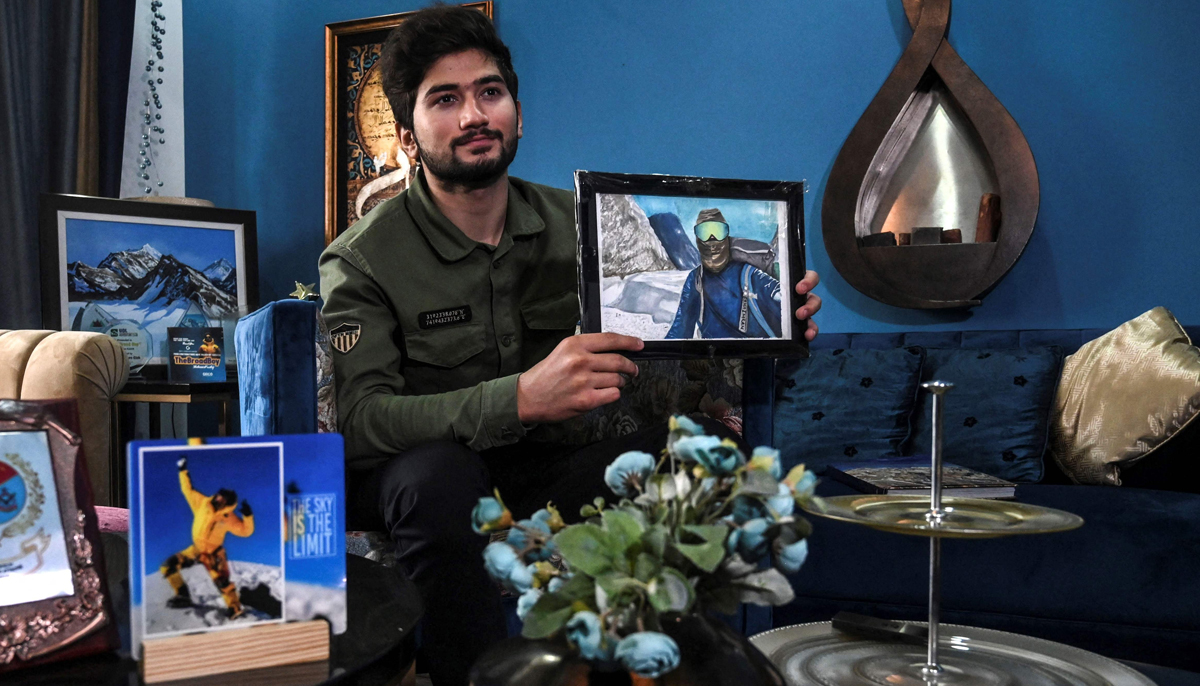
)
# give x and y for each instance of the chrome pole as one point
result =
(932, 666)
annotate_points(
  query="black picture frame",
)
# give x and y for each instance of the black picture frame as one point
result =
(589, 185)
(56, 209)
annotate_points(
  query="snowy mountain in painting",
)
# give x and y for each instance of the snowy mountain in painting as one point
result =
(218, 271)
(98, 282)
(133, 264)
(172, 281)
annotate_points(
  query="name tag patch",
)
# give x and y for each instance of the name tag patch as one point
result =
(446, 317)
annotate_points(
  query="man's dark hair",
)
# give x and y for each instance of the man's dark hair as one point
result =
(426, 37)
(228, 497)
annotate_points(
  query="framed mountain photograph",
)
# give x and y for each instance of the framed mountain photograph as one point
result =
(134, 269)
(695, 267)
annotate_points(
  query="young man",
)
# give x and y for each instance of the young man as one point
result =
(453, 306)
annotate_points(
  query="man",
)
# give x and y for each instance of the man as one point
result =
(452, 308)
(212, 518)
(725, 299)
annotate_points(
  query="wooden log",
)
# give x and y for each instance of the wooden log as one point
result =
(218, 652)
(988, 226)
(927, 235)
(952, 235)
(878, 240)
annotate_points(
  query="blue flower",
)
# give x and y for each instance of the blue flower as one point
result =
(519, 537)
(555, 584)
(717, 457)
(802, 482)
(782, 502)
(648, 654)
(526, 602)
(789, 558)
(550, 516)
(766, 457)
(503, 565)
(490, 514)
(747, 507)
(750, 540)
(682, 425)
(633, 467)
(583, 629)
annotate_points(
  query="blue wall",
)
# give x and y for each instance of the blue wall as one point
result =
(1105, 91)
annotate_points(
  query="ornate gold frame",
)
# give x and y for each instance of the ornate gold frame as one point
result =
(30, 631)
(337, 39)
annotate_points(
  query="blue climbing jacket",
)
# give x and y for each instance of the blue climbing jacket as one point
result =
(740, 302)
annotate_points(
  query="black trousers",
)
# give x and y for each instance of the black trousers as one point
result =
(423, 498)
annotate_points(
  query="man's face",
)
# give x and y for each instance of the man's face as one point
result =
(465, 123)
(712, 239)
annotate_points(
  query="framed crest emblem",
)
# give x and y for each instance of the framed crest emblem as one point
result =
(54, 601)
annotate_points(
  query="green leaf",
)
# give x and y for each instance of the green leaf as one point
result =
(646, 567)
(768, 587)
(706, 555)
(588, 511)
(547, 616)
(586, 548)
(759, 483)
(578, 587)
(623, 529)
(655, 540)
(672, 592)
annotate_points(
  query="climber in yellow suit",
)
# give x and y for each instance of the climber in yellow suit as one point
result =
(212, 519)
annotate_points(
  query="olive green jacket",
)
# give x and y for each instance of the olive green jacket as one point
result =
(431, 329)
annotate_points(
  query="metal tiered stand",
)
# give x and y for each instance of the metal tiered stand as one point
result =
(809, 654)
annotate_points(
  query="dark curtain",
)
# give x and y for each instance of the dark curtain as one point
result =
(40, 59)
(115, 49)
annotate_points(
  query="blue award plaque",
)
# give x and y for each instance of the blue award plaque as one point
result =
(197, 355)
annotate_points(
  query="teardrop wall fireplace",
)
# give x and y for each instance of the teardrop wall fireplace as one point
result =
(934, 194)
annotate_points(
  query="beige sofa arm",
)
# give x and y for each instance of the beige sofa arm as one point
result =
(91, 368)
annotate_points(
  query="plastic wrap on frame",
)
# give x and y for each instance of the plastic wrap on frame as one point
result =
(590, 185)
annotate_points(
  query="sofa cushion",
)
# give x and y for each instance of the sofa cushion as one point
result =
(997, 416)
(1123, 395)
(840, 405)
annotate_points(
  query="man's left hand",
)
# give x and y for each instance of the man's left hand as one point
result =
(812, 303)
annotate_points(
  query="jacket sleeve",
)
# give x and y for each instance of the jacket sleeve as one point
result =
(688, 312)
(374, 415)
(241, 526)
(766, 287)
(194, 497)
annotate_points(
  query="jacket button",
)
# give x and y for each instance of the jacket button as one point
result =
(496, 264)
(506, 339)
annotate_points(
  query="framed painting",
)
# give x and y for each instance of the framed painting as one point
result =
(695, 267)
(364, 164)
(133, 269)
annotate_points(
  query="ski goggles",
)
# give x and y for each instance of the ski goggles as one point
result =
(712, 231)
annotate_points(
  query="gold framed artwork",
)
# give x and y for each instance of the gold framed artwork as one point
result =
(364, 164)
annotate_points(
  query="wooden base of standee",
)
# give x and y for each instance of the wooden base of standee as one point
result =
(218, 652)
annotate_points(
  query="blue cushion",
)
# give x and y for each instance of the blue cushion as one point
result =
(841, 405)
(277, 369)
(997, 416)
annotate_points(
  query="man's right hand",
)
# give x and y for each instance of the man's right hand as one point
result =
(579, 375)
(181, 463)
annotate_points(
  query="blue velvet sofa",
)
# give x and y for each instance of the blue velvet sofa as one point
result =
(1124, 585)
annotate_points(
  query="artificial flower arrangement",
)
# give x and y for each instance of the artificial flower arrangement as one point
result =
(688, 534)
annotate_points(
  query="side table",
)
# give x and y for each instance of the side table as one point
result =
(155, 393)
(382, 605)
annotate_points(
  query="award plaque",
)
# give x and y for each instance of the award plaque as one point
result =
(53, 598)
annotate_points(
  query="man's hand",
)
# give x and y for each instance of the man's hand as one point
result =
(812, 303)
(181, 463)
(579, 375)
(246, 508)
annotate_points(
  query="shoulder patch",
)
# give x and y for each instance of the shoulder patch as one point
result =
(345, 336)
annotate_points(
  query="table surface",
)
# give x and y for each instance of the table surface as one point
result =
(383, 608)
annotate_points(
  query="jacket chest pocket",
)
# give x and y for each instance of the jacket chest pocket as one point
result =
(559, 312)
(448, 347)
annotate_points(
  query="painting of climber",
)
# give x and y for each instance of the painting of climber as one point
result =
(213, 538)
(686, 267)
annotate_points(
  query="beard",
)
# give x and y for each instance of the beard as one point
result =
(714, 255)
(469, 176)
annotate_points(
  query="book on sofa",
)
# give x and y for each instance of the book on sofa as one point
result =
(911, 477)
